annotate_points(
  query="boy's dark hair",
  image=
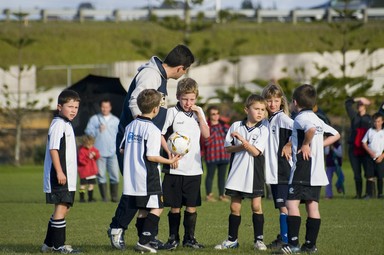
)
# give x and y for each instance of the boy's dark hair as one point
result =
(377, 115)
(213, 107)
(68, 95)
(147, 100)
(305, 96)
(180, 55)
(253, 98)
(105, 100)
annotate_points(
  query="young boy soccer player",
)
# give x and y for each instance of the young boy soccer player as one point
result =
(308, 171)
(246, 140)
(278, 160)
(142, 182)
(181, 184)
(60, 171)
(373, 143)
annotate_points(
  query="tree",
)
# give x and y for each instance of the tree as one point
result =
(13, 109)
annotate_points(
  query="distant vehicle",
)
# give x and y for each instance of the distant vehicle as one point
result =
(84, 6)
(354, 5)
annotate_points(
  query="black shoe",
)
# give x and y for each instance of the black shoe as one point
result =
(172, 242)
(288, 249)
(192, 243)
(308, 249)
(159, 245)
(276, 244)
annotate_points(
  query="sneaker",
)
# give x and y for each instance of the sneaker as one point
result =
(288, 249)
(46, 249)
(145, 248)
(192, 243)
(116, 236)
(260, 246)
(65, 249)
(159, 245)
(172, 241)
(307, 249)
(276, 244)
(227, 245)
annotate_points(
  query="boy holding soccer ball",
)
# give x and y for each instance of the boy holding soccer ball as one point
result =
(142, 180)
(181, 183)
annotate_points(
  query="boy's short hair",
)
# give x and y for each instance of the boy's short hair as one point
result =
(254, 98)
(305, 96)
(180, 55)
(377, 115)
(148, 99)
(105, 100)
(274, 90)
(68, 95)
(213, 107)
(187, 86)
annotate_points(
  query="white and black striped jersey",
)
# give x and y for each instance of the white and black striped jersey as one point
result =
(61, 138)
(187, 123)
(309, 172)
(141, 176)
(277, 167)
(246, 173)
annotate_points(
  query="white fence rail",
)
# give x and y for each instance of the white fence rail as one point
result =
(260, 15)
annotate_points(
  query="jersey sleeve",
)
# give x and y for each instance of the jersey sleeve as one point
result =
(262, 139)
(55, 135)
(228, 138)
(328, 130)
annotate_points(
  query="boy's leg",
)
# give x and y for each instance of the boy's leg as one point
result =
(58, 225)
(293, 222)
(174, 219)
(48, 237)
(312, 225)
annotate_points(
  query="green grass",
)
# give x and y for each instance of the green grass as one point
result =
(348, 226)
(70, 43)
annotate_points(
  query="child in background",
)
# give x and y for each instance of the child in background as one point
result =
(307, 174)
(246, 140)
(333, 160)
(87, 167)
(60, 171)
(278, 160)
(181, 184)
(373, 143)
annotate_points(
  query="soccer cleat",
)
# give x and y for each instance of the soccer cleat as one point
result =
(66, 249)
(46, 249)
(227, 245)
(143, 248)
(260, 246)
(116, 236)
(172, 242)
(159, 245)
(307, 249)
(288, 249)
(276, 244)
(192, 243)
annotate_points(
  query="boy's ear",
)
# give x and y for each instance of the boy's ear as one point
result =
(246, 110)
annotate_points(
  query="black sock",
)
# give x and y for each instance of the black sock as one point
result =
(174, 224)
(233, 227)
(149, 228)
(312, 231)
(139, 226)
(48, 236)
(258, 226)
(294, 223)
(379, 186)
(189, 225)
(58, 232)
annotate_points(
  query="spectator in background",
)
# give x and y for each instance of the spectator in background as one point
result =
(333, 161)
(360, 123)
(215, 155)
(103, 126)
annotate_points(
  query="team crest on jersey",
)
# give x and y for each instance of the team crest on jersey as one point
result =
(273, 129)
(319, 130)
(254, 137)
(291, 190)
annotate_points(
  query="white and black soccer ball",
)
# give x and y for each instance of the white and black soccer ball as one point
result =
(179, 143)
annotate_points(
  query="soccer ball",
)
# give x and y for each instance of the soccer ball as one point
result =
(179, 143)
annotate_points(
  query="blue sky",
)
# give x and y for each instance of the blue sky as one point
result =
(127, 4)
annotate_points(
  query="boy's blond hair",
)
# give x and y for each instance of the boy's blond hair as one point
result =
(187, 86)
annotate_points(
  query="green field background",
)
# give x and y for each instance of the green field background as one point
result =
(349, 226)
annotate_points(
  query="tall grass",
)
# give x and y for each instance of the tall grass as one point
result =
(348, 226)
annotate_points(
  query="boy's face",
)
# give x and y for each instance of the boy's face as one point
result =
(256, 112)
(274, 104)
(378, 123)
(105, 108)
(69, 110)
(187, 101)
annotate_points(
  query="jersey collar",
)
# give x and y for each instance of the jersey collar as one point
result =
(180, 109)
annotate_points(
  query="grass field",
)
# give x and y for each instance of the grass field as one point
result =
(349, 226)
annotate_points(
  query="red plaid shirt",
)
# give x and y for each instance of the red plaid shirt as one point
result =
(213, 147)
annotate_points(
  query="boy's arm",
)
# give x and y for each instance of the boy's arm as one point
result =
(162, 160)
(245, 145)
(368, 150)
(204, 128)
(287, 150)
(61, 178)
(305, 148)
(331, 139)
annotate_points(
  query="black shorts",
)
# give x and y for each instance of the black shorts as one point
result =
(374, 169)
(61, 197)
(304, 193)
(235, 193)
(147, 202)
(280, 194)
(181, 190)
(87, 181)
